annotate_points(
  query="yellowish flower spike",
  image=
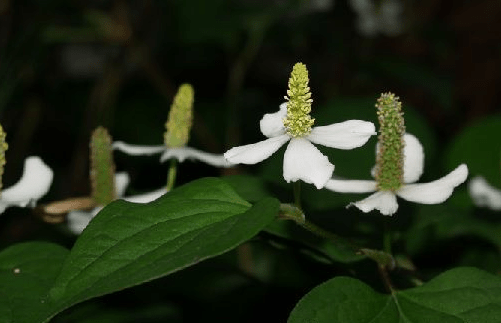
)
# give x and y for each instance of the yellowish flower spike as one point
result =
(180, 118)
(298, 122)
(3, 148)
(102, 168)
(389, 160)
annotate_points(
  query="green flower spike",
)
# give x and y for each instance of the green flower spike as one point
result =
(180, 118)
(102, 168)
(3, 148)
(389, 160)
(298, 122)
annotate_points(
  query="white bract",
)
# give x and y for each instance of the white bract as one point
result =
(79, 219)
(385, 19)
(34, 183)
(302, 160)
(386, 201)
(180, 153)
(483, 194)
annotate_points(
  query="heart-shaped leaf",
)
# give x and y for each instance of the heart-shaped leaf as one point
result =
(456, 296)
(127, 244)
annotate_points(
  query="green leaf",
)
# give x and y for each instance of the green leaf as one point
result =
(127, 244)
(443, 222)
(478, 146)
(27, 272)
(456, 296)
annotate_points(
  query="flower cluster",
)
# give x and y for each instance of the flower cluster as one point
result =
(399, 157)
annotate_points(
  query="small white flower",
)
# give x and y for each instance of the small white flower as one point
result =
(387, 19)
(386, 201)
(302, 160)
(180, 153)
(483, 194)
(79, 219)
(34, 183)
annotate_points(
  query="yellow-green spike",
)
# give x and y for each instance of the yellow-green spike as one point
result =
(180, 118)
(298, 121)
(102, 168)
(390, 155)
(3, 148)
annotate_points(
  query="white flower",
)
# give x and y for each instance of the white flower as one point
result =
(79, 219)
(34, 183)
(387, 19)
(386, 201)
(302, 160)
(180, 153)
(483, 194)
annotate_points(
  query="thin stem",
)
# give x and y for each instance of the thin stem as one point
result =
(171, 176)
(298, 217)
(297, 194)
(313, 228)
(386, 279)
(386, 235)
(292, 212)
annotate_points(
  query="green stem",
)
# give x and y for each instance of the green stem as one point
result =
(171, 176)
(313, 228)
(386, 235)
(297, 194)
(290, 212)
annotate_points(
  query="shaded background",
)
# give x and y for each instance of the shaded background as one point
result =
(68, 66)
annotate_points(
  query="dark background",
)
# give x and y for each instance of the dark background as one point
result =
(68, 66)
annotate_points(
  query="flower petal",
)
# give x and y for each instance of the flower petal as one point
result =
(272, 124)
(434, 192)
(183, 153)
(413, 159)
(136, 150)
(303, 161)
(78, 220)
(383, 201)
(351, 186)
(146, 197)
(484, 194)
(121, 182)
(34, 183)
(344, 135)
(254, 153)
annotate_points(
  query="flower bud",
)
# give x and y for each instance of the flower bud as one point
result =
(390, 154)
(102, 168)
(180, 118)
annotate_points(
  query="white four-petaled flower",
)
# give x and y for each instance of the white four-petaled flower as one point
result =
(34, 183)
(386, 201)
(302, 160)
